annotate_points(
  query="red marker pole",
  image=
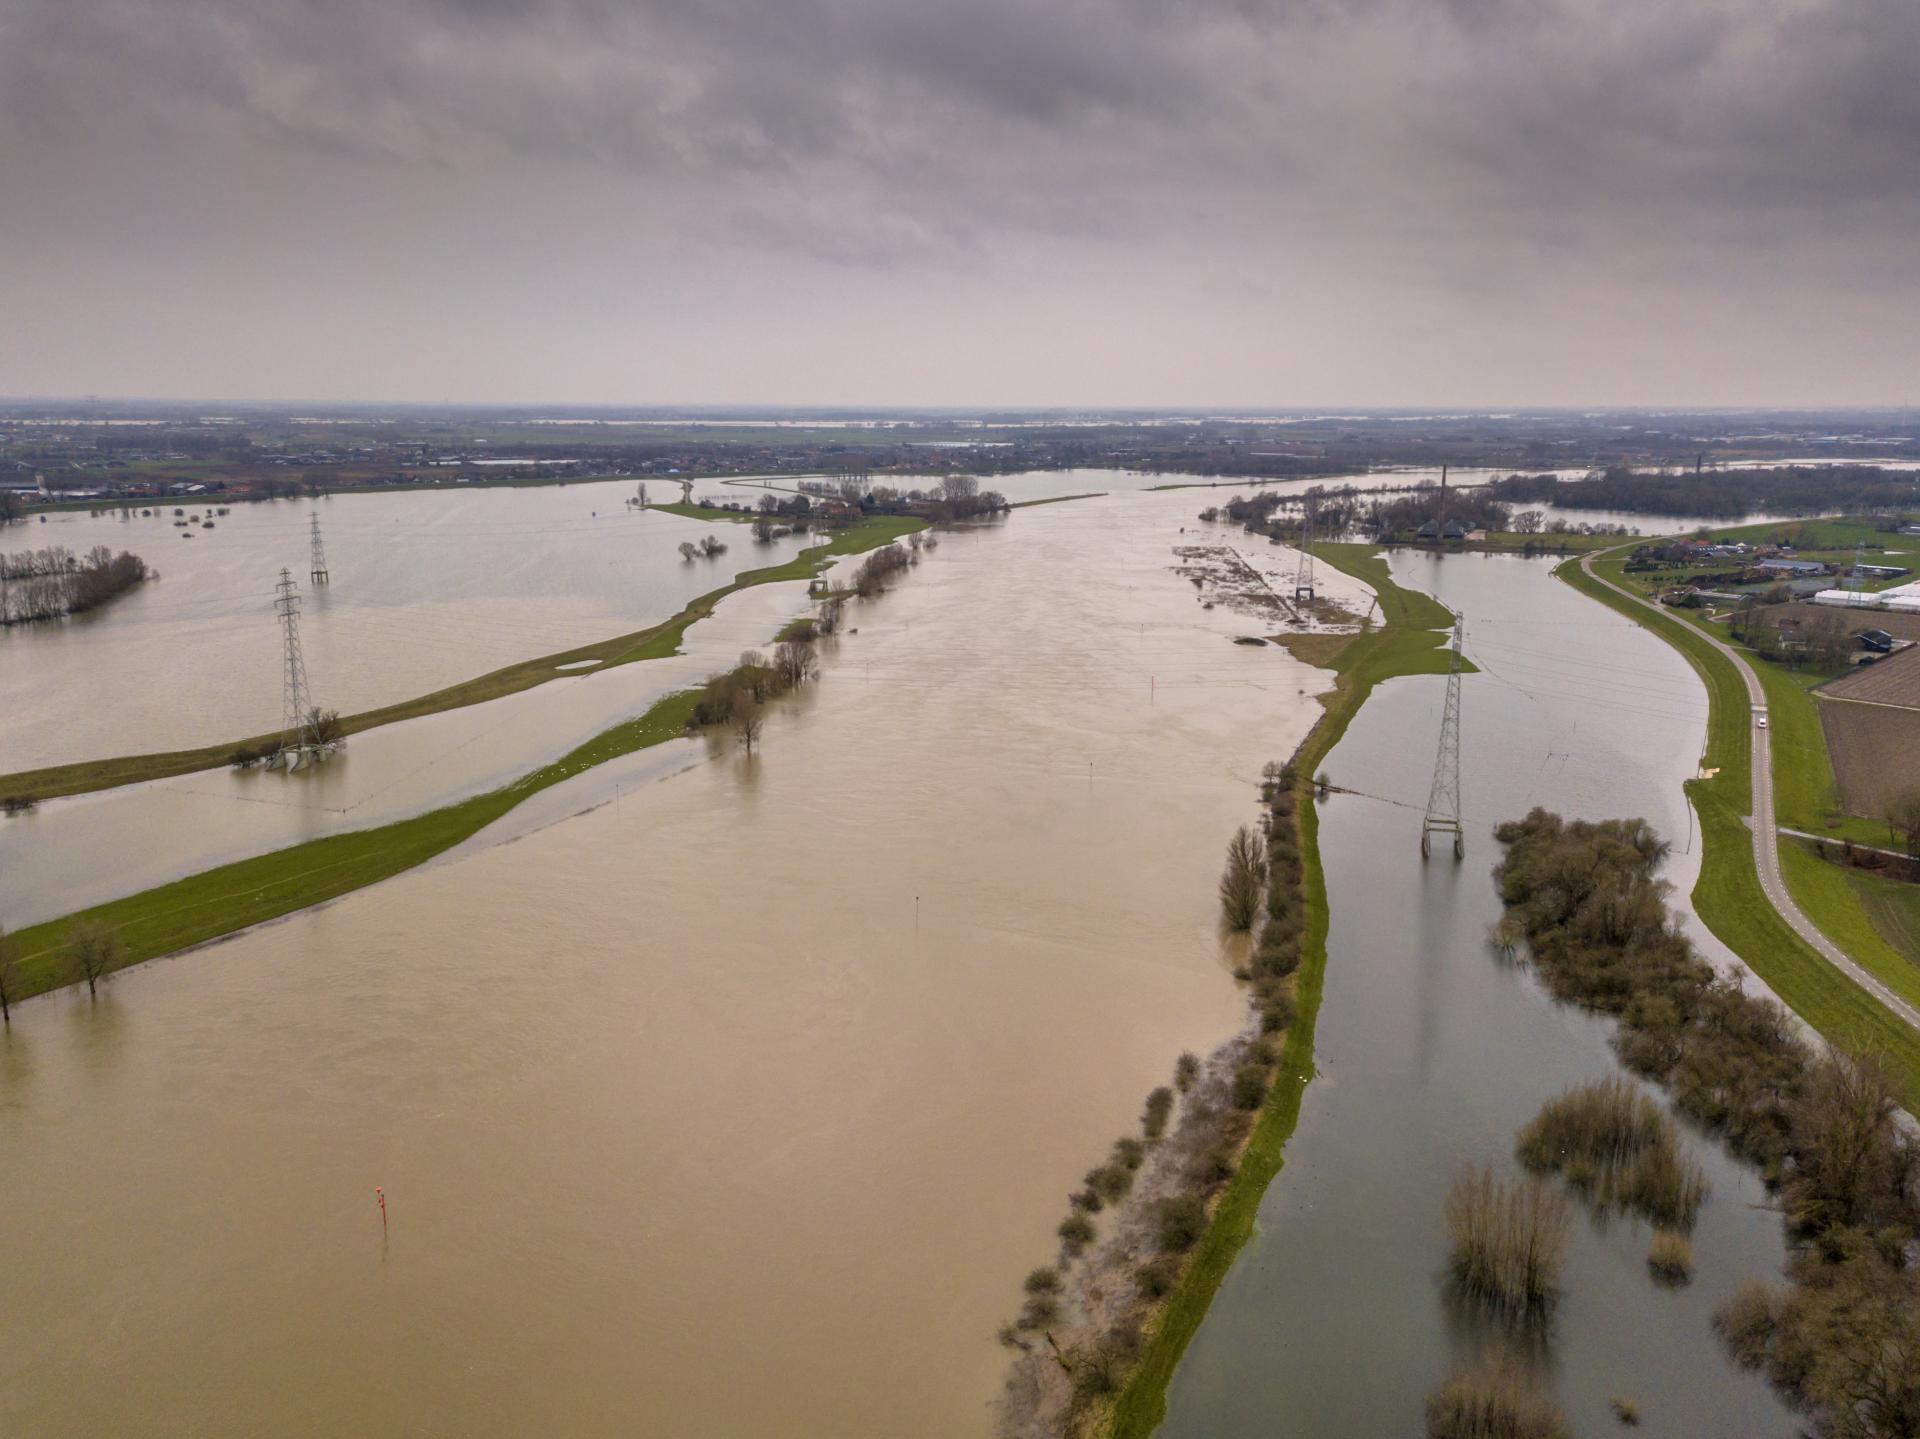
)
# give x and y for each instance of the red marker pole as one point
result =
(381, 1195)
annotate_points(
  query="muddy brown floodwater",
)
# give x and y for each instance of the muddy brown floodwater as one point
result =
(736, 1105)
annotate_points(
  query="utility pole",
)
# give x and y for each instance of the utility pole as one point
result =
(1443, 801)
(295, 703)
(319, 573)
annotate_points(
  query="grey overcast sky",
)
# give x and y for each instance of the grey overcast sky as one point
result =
(1010, 202)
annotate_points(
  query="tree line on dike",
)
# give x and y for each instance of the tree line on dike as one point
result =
(1084, 1316)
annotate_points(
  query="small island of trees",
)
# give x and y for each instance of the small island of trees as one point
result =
(52, 583)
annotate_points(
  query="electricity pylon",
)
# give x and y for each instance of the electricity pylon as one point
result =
(1443, 801)
(319, 574)
(1303, 578)
(1857, 577)
(295, 703)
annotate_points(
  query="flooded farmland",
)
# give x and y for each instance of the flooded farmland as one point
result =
(738, 1104)
(1433, 1052)
(713, 1095)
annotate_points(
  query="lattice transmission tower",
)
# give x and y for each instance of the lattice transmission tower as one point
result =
(1443, 801)
(1857, 577)
(319, 572)
(295, 703)
(1303, 578)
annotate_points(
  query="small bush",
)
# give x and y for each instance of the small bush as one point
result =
(1746, 1322)
(1076, 1232)
(1043, 1281)
(1129, 1153)
(1186, 1069)
(1497, 1401)
(1507, 1240)
(1276, 1014)
(1086, 1201)
(1158, 1278)
(1612, 1140)
(1626, 1411)
(1183, 1219)
(1040, 1311)
(1153, 1119)
(1249, 1086)
(1110, 1181)
(1670, 1257)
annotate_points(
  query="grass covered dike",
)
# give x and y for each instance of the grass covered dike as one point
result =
(655, 642)
(233, 897)
(1728, 897)
(1410, 640)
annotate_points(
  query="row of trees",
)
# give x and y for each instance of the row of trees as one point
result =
(47, 584)
(738, 698)
(1724, 494)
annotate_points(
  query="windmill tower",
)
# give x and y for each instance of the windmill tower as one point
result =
(1443, 800)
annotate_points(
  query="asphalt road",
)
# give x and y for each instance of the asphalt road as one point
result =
(1766, 844)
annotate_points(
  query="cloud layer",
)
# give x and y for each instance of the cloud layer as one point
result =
(1400, 187)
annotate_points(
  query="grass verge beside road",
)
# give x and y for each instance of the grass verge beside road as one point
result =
(1411, 640)
(655, 642)
(1728, 897)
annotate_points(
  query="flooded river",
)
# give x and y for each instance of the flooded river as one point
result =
(1433, 1052)
(737, 1104)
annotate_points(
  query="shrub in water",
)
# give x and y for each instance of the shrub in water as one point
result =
(1153, 1120)
(1496, 1401)
(1507, 1240)
(1670, 1257)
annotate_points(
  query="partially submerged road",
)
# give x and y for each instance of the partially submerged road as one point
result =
(1766, 843)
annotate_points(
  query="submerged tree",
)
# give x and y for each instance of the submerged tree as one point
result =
(747, 719)
(1240, 885)
(9, 974)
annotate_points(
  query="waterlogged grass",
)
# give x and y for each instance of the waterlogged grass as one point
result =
(655, 642)
(231, 898)
(1410, 641)
(1727, 896)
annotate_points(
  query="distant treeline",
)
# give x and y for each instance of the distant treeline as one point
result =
(47, 584)
(1722, 494)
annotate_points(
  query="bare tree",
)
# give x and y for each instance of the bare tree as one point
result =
(95, 950)
(9, 975)
(689, 550)
(324, 727)
(794, 662)
(1904, 816)
(1246, 873)
(748, 719)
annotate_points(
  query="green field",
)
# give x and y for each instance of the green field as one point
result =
(1411, 641)
(655, 642)
(1728, 897)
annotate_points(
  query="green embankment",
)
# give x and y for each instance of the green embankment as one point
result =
(1728, 897)
(1894, 907)
(222, 901)
(655, 642)
(705, 512)
(1411, 640)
